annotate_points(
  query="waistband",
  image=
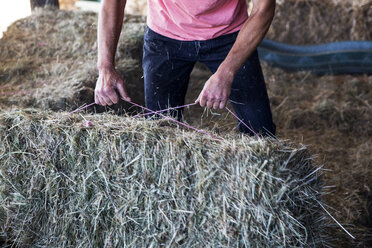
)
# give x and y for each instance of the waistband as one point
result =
(149, 33)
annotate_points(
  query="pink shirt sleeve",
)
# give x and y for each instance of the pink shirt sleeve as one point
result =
(196, 19)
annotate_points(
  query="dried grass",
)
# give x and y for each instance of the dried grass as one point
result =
(316, 21)
(334, 115)
(331, 113)
(125, 182)
(49, 59)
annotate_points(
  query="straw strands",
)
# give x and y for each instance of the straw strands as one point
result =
(123, 182)
(48, 60)
(308, 22)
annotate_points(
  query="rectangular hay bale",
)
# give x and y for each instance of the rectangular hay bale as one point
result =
(127, 182)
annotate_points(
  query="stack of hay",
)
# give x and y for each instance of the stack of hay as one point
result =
(126, 182)
(56, 190)
(315, 21)
(48, 60)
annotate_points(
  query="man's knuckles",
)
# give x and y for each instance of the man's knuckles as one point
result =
(204, 95)
(216, 105)
(222, 105)
(106, 91)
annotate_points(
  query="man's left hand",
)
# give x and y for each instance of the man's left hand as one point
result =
(216, 91)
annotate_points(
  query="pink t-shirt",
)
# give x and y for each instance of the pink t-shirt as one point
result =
(196, 19)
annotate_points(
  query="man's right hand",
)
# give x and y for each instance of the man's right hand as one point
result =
(110, 88)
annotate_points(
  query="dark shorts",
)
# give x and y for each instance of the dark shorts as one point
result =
(167, 64)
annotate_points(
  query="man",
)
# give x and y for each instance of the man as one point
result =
(179, 33)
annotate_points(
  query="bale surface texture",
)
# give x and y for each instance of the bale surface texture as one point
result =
(125, 182)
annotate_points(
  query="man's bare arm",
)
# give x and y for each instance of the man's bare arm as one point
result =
(217, 89)
(109, 82)
(250, 36)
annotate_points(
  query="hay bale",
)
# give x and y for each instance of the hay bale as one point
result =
(49, 59)
(304, 22)
(124, 181)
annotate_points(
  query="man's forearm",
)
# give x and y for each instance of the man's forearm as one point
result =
(250, 36)
(109, 27)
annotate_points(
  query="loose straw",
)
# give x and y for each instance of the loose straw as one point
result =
(250, 129)
(159, 112)
(174, 120)
(163, 110)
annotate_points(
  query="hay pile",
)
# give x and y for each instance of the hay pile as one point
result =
(302, 100)
(129, 182)
(334, 115)
(342, 103)
(49, 59)
(316, 21)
